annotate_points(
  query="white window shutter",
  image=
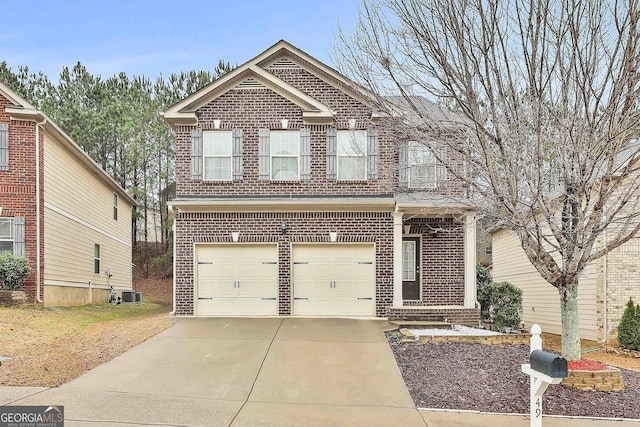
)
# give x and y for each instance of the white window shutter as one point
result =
(196, 154)
(332, 154)
(305, 154)
(4, 146)
(18, 236)
(403, 164)
(237, 137)
(264, 169)
(372, 153)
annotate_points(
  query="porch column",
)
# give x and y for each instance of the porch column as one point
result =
(469, 261)
(397, 260)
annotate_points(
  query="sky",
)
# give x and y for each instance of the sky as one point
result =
(141, 37)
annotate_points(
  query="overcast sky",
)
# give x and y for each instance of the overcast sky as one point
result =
(153, 37)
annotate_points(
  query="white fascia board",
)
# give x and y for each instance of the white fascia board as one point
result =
(284, 205)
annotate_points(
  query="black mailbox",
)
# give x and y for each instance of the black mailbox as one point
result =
(548, 363)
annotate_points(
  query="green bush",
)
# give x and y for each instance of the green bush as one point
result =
(13, 271)
(629, 327)
(483, 276)
(500, 304)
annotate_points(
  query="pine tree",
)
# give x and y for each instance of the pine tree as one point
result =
(629, 328)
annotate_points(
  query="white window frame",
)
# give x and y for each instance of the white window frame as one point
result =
(430, 163)
(115, 206)
(226, 155)
(273, 145)
(97, 256)
(8, 237)
(343, 136)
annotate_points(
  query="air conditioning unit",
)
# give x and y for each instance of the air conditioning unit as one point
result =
(138, 297)
(128, 296)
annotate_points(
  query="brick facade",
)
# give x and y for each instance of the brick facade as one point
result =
(18, 187)
(254, 108)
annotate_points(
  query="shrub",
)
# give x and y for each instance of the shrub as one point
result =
(483, 276)
(500, 304)
(13, 271)
(629, 328)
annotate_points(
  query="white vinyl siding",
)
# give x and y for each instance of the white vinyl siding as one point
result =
(217, 155)
(285, 155)
(540, 300)
(78, 213)
(352, 155)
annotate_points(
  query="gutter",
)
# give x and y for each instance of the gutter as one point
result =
(173, 228)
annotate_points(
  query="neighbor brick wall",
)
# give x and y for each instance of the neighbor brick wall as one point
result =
(206, 227)
(18, 186)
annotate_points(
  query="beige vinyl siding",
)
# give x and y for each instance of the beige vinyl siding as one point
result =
(540, 300)
(78, 213)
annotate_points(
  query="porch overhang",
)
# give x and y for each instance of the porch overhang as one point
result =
(285, 204)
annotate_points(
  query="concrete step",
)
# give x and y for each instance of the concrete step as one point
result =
(422, 324)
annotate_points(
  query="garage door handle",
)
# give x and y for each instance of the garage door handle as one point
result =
(299, 262)
(365, 299)
(269, 299)
(270, 262)
(365, 262)
(302, 298)
(201, 298)
(204, 262)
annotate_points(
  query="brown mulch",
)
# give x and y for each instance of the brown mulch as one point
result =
(488, 378)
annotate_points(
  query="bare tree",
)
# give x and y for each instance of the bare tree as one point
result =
(547, 92)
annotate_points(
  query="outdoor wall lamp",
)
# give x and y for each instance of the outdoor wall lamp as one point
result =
(283, 227)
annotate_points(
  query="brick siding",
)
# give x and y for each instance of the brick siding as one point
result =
(18, 187)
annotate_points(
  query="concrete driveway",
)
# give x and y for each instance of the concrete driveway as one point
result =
(243, 372)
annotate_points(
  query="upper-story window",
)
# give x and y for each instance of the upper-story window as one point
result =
(420, 168)
(217, 154)
(285, 155)
(352, 154)
(4, 146)
(6, 234)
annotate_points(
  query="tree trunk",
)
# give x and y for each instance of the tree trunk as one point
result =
(570, 322)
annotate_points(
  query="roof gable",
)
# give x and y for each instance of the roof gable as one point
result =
(255, 73)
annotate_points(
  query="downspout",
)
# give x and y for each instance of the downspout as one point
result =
(38, 225)
(173, 228)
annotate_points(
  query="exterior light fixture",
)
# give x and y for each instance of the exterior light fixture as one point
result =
(283, 227)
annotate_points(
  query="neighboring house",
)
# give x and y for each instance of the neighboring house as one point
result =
(604, 289)
(293, 199)
(60, 210)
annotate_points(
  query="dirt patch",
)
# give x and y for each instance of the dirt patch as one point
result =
(489, 379)
(50, 346)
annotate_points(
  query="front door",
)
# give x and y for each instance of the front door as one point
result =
(411, 268)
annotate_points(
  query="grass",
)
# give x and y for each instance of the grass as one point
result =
(30, 323)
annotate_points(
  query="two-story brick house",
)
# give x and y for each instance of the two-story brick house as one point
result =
(293, 198)
(60, 210)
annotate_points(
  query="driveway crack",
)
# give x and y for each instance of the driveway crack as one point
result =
(266, 353)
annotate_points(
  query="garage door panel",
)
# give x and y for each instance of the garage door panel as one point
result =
(334, 280)
(237, 280)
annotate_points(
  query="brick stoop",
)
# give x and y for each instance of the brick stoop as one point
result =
(459, 316)
(605, 380)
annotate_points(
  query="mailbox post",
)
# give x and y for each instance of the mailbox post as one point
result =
(544, 369)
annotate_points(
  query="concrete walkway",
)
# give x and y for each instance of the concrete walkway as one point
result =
(254, 372)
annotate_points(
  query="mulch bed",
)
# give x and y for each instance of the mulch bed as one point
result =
(489, 379)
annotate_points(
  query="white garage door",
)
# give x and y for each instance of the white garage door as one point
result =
(334, 280)
(237, 280)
